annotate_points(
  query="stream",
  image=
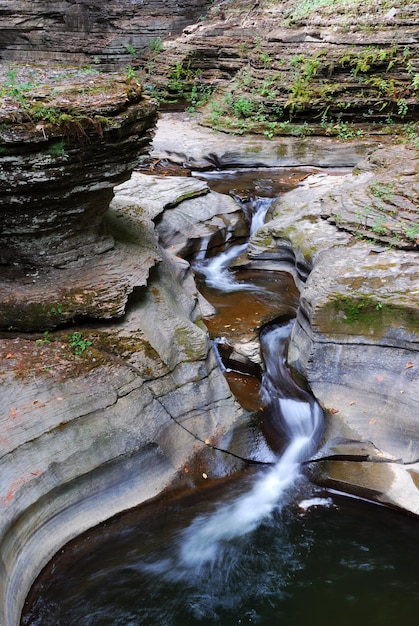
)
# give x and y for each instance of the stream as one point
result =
(263, 546)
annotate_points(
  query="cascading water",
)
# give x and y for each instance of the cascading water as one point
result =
(216, 269)
(297, 412)
(280, 553)
(301, 420)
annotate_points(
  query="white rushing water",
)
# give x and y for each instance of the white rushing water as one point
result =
(301, 420)
(216, 269)
(295, 410)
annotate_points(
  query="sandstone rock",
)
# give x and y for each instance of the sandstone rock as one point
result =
(86, 31)
(380, 200)
(295, 68)
(85, 436)
(180, 139)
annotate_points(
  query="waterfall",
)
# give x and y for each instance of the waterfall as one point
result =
(301, 419)
(216, 269)
(297, 413)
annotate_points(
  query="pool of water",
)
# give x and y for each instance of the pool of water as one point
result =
(339, 561)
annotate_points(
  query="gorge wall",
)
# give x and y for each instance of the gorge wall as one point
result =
(89, 31)
(106, 369)
(302, 68)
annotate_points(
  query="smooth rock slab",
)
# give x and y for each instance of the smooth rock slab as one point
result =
(181, 140)
(84, 437)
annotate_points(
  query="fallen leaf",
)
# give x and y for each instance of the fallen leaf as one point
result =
(333, 411)
(406, 367)
(9, 356)
(13, 413)
(373, 420)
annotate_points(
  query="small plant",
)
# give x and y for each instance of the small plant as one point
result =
(156, 45)
(412, 233)
(271, 128)
(382, 190)
(78, 344)
(45, 339)
(130, 72)
(56, 149)
(378, 226)
(402, 107)
(243, 107)
(265, 58)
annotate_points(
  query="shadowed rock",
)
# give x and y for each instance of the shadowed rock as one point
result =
(63, 149)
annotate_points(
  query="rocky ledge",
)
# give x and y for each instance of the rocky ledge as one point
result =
(99, 418)
(356, 337)
(68, 137)
(296, 68)
(350, 240)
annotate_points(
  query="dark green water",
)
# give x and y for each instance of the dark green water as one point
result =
(345, 563)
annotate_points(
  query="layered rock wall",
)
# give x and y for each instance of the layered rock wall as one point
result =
(356, 336)
(67, 138)
(93, 427)
(86, 31)
(273, 67)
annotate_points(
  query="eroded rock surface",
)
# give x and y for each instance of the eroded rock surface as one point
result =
(89, 31)
(356, 335)
(73, 137)
(296, 68)
(92, 427)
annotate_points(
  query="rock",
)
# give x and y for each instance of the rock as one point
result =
(380, 200)
(86, 31)
(295, 69)
(86, 436)
(180, 139)
(356, 337)
(60, 160)
(187, 214)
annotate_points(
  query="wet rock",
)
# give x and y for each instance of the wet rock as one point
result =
(355, 339)
(181, 140)
(87, 433)
(188, 216)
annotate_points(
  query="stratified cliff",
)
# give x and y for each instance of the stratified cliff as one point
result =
(68, 137)
(89, 31)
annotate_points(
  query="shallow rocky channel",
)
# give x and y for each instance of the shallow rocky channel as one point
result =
(152, 554)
